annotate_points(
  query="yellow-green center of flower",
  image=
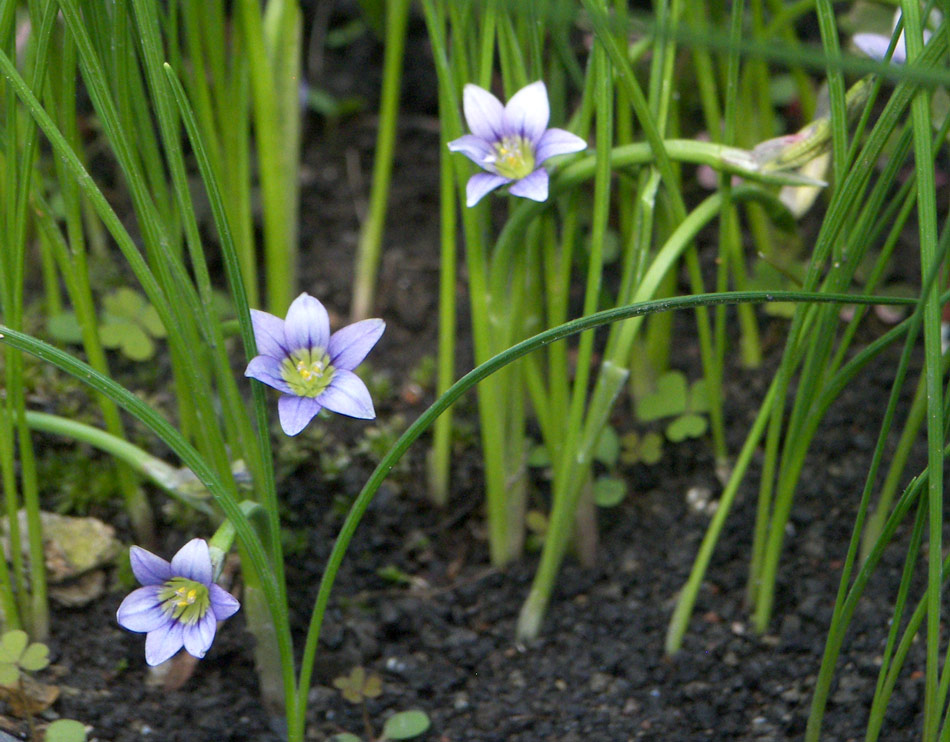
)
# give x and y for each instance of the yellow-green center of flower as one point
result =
(307, 371)
(184, 599)
(514, 157)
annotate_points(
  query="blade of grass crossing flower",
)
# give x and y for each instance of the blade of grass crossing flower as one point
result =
(827, 24)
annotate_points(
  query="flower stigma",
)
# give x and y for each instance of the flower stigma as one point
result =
(307, 371)
(514, 157)
(184, 599)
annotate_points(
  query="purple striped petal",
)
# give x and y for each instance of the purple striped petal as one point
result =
(557, 142)
(193, 561)
(148, 568)
(223, 604)
(197, 638)
(267, 369)
(533, 186)
(295, 413)
(307, 324)
(481, 184)
(141, 610)
(474, 148)
(349, 345)
(528, 112)
(348, 395)
(268, 334)
(483, 112)
(162, 643)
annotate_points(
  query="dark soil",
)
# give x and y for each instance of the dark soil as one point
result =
(444, 642)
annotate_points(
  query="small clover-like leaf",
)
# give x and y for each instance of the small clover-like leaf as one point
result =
(65, 730)
(12, 644)
(608, 447)
(405, 725)
(609, 491)
(9, 673)
(352, 685)
(345, 737)
(65, 328)
(151, 322)
(124, 303)
(698, 397)
(111, 332)
(35, 657)
(129, 338)
(372, 686)
(136, 345)
(651, 448)
(686, 426)
(667, 400)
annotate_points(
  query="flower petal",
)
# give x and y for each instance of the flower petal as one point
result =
(533, 186)
(267, 369)
(296, 412)
(198, 637)
(307, 324)
(480, 184)
(148, 568)
(141, 610)
(483, 112)
(268, 334)
(223, 604)
(528, 112)
(162, 643)
(193, 561)
(349, 345)
(475, 148)
(875, 46)
(348, 395)
(557, 142)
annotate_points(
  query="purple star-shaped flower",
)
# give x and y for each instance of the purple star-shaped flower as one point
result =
(511, 142)
(179, 605)
(312, 368)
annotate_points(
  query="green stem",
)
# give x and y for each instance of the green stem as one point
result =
(371, 237)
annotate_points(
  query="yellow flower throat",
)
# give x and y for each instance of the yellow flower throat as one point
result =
(307, 371)
(184, 599)
(514, 157)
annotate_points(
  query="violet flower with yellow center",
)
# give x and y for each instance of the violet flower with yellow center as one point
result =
(179, 604)
(314, 369)
(511, 142)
